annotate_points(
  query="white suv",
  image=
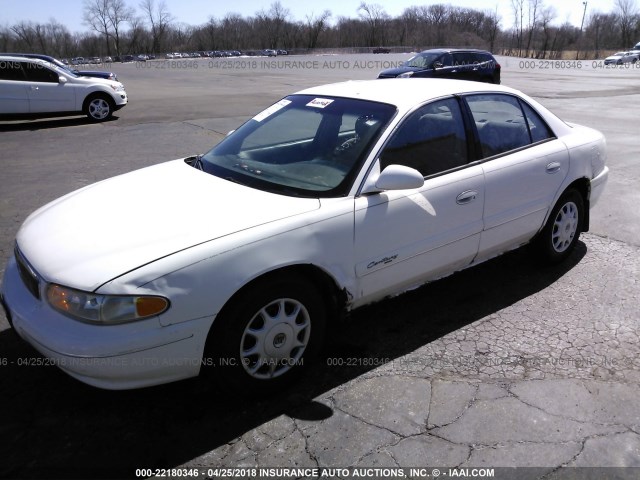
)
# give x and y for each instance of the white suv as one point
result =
(32, 87)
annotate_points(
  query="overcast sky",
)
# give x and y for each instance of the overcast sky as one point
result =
(196, 12)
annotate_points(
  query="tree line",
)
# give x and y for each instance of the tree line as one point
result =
(116, 28)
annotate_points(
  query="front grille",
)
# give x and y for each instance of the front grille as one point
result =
(28, 274)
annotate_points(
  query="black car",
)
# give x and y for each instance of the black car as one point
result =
(478, 65)
(55, 61)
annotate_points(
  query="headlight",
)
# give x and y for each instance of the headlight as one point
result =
(118, 87)
(405, 75)
(104, 309)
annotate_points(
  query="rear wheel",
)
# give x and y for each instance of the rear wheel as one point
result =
(265, 339)
(560, 234)
(99, 108)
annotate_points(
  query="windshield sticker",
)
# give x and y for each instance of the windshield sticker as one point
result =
(320, 102)
(271, 110)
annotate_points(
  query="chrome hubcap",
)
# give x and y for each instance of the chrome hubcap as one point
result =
(275, 339)
(565, 227)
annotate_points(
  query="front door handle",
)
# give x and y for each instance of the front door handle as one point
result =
(553, 167)
(33, 87)
(466, 197)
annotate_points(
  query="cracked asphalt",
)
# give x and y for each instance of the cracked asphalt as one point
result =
(508, 364)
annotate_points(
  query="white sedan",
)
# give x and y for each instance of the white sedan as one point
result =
(234, 262)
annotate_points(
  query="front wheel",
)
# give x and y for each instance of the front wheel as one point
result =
(560, 234)
(264, 340)
(99, 108)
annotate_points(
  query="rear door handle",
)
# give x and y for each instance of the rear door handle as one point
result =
(553, 167)
(33, 87)
(466, 197)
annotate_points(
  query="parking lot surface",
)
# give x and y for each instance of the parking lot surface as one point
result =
(505, 364)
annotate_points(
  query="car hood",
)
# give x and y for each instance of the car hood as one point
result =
(95, 73)
(91, 80)
(96, 234)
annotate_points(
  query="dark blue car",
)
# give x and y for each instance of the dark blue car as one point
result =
(478, 65)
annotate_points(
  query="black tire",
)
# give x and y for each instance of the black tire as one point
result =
(266, 338)
(99, 107)
(560, 234)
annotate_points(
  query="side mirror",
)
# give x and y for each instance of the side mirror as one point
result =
(438, 64)
(396, 177)
(230, 132)
(62, 79)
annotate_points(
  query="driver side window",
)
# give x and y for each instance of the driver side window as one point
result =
(36, 72)
(431, 140)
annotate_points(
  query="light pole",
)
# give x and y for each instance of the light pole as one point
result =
(584, 12)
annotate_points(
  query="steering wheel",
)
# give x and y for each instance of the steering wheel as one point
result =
(346, 145)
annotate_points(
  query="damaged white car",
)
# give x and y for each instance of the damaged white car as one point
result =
(235, 261)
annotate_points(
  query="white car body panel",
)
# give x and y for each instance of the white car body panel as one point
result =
(197, 239)
(99, 355)
(121, 240)
(52, 97)
(321, 237)
(14, 98)
(521, 188)
(401, 235)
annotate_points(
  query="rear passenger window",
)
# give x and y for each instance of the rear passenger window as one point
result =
(463, 58)
(11, 71)
(538, 128)
(431, 140)
(500, 123)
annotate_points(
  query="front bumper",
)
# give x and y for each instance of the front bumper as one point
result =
(133, 355)
(121, 100)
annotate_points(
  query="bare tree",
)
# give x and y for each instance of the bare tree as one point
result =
(25, 33)
(602, 30)
(118, 13)
(58, 38)
(206, 36)
(234, 31)
(376, 17)
(627, 12)
(159, 20)
(518, 16)
(315, 26)
(547, 16)
(276, 19)
(438, 16)
(491, 26)
(533, 10)
(137, 37)
(96, 16)
(410, 24)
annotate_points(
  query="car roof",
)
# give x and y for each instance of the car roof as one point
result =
(27, 56)
(39, 56)
(405, 93)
